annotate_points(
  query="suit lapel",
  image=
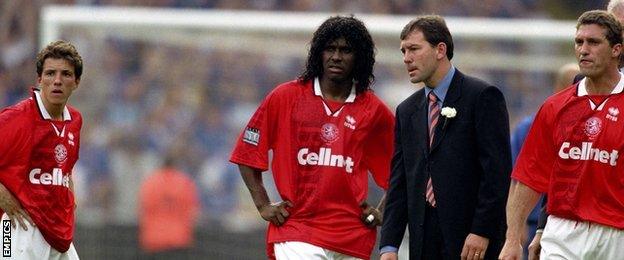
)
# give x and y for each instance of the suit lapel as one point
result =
(419, 119)
(453, 93)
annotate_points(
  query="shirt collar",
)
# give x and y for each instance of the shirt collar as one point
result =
(44, 112)
(582, 86)
(318, 92)
(441, 89)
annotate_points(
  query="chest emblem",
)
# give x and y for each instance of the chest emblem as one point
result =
(593, 126)
(60, 153)
(613, 113)
(329, 133)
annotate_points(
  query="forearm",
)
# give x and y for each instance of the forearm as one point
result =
(253, 180)
(71, 183)
(522, 199)
(71, 188)
(543, 216)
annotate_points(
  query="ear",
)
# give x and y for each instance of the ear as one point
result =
(616, 50)
(440, 50)
(77, 84)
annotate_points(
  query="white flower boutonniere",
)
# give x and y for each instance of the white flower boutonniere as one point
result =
(448, 112)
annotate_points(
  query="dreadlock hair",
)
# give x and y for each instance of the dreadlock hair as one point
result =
(357, 37)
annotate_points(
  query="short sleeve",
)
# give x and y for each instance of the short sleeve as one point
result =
(253, 144)
(14, 141)
(380, 146)
(537, 156)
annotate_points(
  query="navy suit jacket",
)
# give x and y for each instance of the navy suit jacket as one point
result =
(469, 163)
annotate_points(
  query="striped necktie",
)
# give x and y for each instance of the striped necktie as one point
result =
(434, 115)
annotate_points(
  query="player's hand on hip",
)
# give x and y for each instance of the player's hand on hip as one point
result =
(535, 247)
(13, 209)
(474, 247)
(276, 213)
(370, 215)
(389, 256)
(512, 250)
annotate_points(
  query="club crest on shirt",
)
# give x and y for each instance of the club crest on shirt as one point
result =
(613, 113)
(60, 153)
(329, 133)
(593, 126)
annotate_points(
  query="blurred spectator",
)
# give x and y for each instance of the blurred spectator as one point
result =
(168, 209)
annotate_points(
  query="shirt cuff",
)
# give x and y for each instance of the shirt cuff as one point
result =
(388, 249)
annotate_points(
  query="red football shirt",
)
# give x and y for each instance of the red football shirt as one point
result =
(321, 158)
(572, 153)
(36, 162)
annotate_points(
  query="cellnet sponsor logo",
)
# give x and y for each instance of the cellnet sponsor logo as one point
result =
(55, 178)
(587, 153)
(324, 158)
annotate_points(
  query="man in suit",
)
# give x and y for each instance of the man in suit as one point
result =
(452, 159)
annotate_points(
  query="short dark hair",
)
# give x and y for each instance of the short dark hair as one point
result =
(433, 28)
(60, 50)
(604, 20)
(357, 37)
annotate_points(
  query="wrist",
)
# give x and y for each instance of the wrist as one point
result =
(514, 237)
(261, 206)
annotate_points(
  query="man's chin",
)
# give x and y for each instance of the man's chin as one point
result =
(339, 79)
(58, 102)
(415, 80)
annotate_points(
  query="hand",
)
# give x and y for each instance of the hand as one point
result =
(389, 256)
(13, 209)
(512, 250)
(535, 247)
(474, 247)
(276, 213)
(367, 212)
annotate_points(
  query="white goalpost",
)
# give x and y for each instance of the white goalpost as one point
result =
(233, 30)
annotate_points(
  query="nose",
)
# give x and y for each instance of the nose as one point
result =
(583, 49)
(57, 79)
(406, 58)
(336, 55)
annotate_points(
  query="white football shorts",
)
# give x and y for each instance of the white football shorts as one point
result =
(570, 239)
(299, 250)
(30, 244)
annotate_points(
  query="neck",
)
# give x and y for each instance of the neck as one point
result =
(55, 111)
(438, 74)
(603, 84)
(335, 91)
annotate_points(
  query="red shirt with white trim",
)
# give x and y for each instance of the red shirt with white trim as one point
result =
(36, 160)
(572, 152)
(321, 158)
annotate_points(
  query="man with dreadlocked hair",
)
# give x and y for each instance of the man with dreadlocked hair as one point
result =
(327, 130)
